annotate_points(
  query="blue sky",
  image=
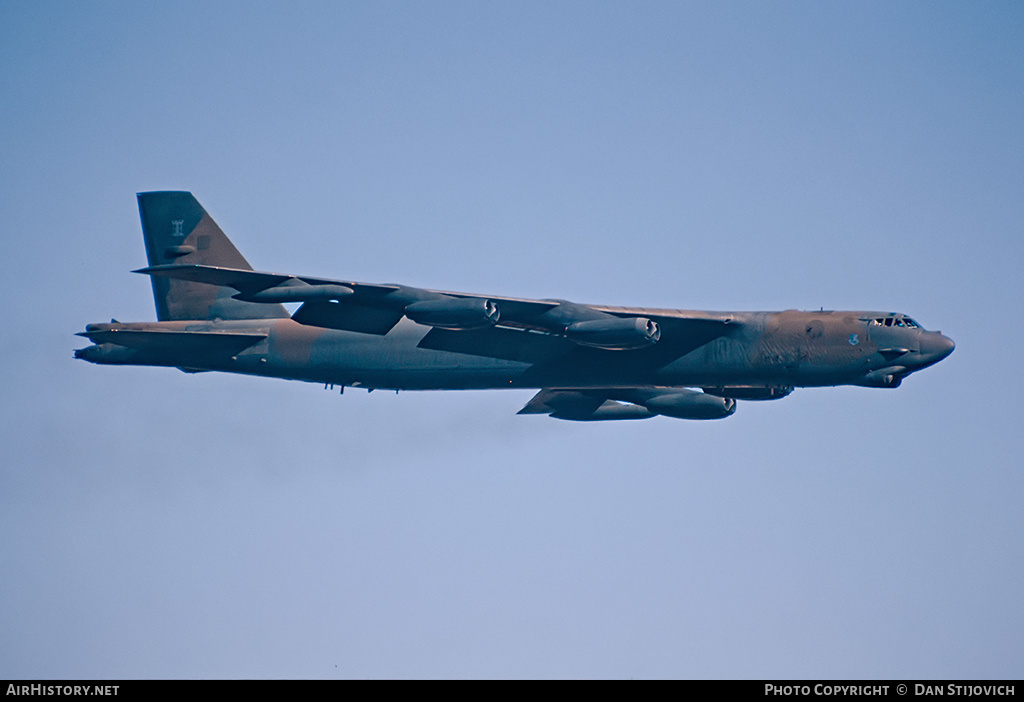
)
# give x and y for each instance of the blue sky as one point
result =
(694, 155)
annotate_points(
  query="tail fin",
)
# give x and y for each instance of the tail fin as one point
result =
(178, 230)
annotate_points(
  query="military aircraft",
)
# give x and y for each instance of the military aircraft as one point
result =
(589, 362)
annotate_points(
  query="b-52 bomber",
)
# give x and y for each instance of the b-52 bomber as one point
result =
(589, 362)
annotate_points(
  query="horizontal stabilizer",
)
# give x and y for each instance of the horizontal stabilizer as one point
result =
(175, 342)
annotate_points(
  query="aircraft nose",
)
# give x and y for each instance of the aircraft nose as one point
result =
(939, 346)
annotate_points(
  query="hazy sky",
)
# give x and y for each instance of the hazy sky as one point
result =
(733, 155)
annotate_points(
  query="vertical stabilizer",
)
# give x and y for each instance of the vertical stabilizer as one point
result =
(178, 230)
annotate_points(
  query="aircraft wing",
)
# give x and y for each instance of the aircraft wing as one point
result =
(535, 331)
(548, 351)
(371, 308)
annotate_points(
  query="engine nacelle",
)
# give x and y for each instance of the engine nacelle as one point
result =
(615, 334)
(750, 392)
(608, 411)
(456, 313)
(688, 404)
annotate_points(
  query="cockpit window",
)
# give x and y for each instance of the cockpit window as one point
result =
(906, 322)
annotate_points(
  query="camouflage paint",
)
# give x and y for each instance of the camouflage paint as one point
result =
(178, 230)
(355, 334)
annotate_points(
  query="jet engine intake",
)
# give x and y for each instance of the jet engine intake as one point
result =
(455, 313)
(615, 334)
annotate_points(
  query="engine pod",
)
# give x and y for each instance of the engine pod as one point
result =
(686, 404)
(615, 333)
(456, 313)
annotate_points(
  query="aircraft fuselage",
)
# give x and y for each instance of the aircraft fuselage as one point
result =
(791, 348)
